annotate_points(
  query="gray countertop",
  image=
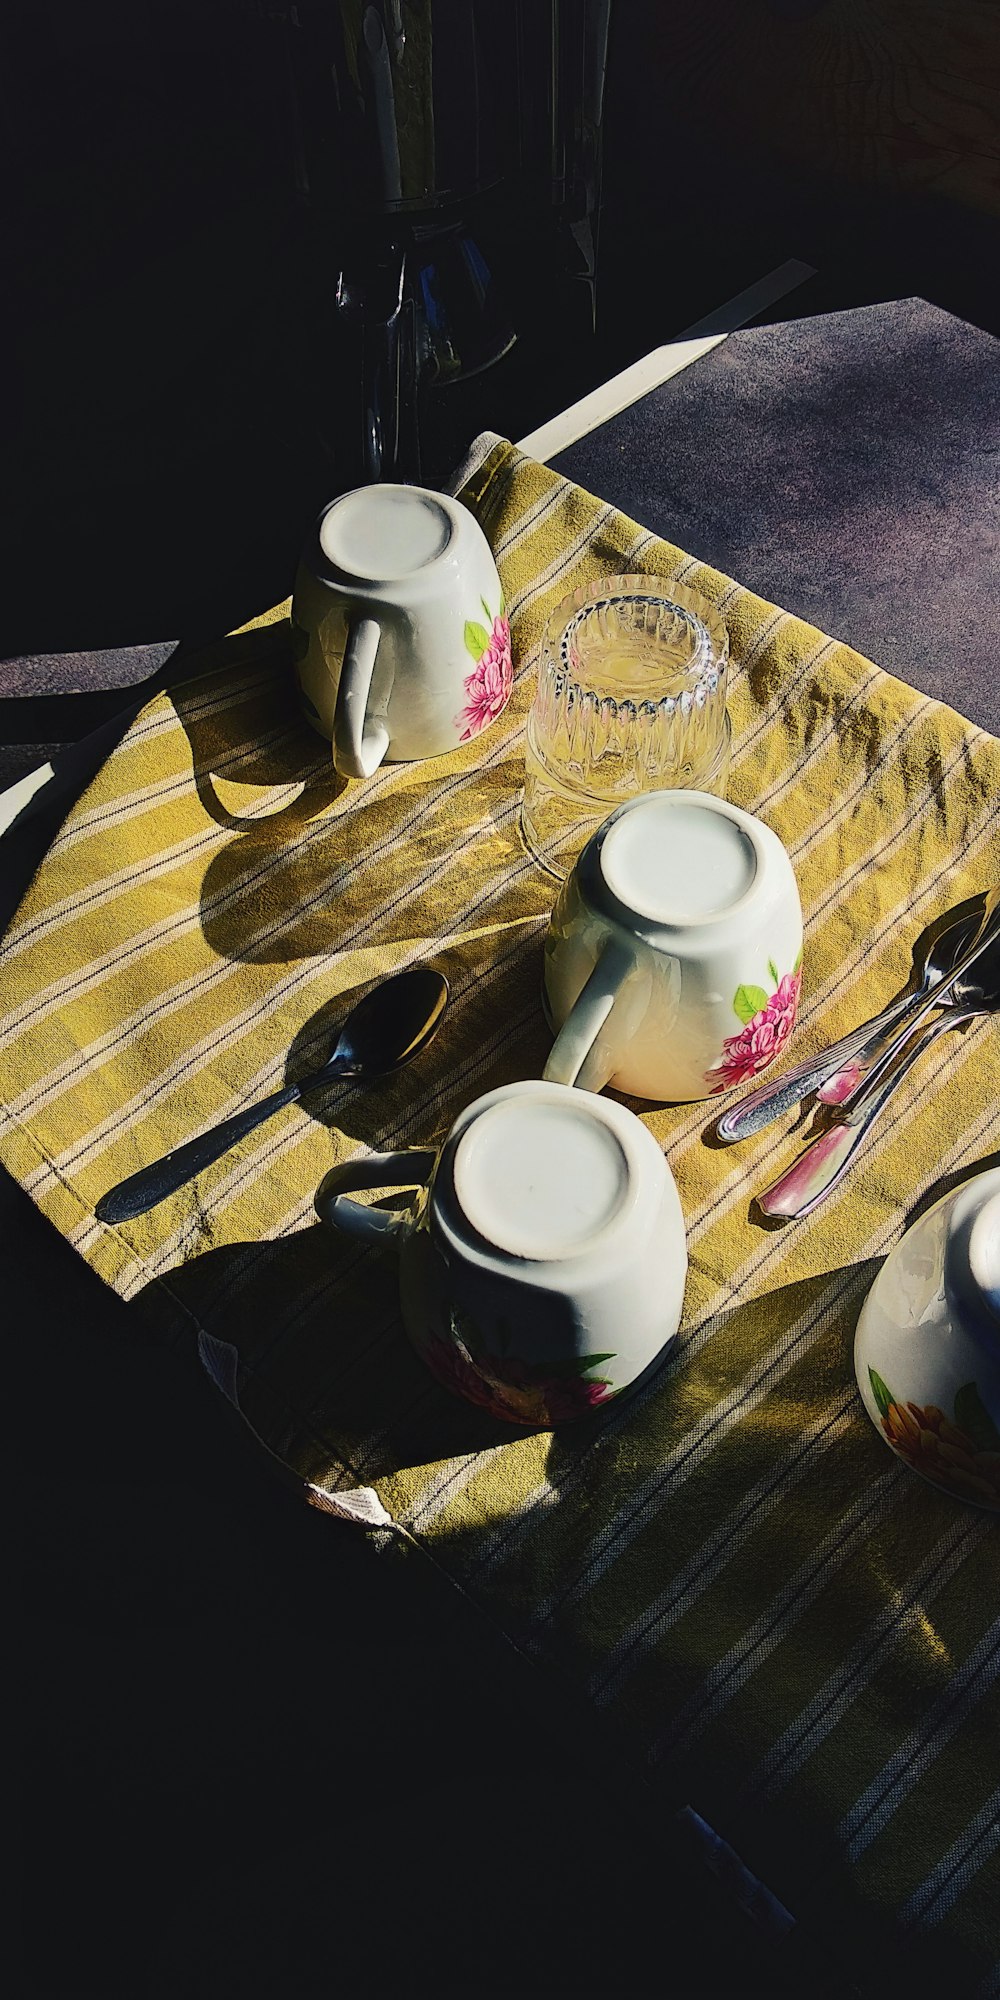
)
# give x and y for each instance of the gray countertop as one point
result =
(846, 467)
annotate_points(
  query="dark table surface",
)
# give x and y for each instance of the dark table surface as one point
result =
(246, 1740)
(846, 468)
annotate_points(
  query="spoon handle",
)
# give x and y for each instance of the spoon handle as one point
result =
(821, 1165)
(849, 1084)
(152, 1184)
(782, 1093)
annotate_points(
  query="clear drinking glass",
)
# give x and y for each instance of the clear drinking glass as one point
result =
(631, 698)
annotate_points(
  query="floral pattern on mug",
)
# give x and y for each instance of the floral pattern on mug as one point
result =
(962, 1454)
(768, 1021)
(488, 687)
(539, 1394)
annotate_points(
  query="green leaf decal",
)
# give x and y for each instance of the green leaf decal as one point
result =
(972, 1417)
(486, 608)
(476, 638)
(773, 970)
(569, 1364)
(748, 1001)
(882, 1395)
(798, 960)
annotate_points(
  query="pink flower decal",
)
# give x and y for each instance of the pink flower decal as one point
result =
(768, 1019)
(487, 688)
(522, 1392)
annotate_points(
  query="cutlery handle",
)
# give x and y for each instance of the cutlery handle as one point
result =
(782, 1093)
(845, 1085)
(152, 1184)
(852, 1086)
(820, 1165)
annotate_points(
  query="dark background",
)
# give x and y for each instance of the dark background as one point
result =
(256, 1758)
(165, 391)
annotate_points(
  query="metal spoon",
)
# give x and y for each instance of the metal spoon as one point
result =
(850, 1086)
(820, 1165)
(942, 949)
(385, 1030)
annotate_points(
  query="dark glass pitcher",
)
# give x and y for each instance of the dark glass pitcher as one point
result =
(433, 139)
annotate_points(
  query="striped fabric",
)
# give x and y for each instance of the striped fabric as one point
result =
(780, 1622)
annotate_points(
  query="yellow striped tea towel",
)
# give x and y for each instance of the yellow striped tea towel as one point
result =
(780, 1621)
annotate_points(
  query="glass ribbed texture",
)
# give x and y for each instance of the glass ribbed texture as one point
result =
(631, 698)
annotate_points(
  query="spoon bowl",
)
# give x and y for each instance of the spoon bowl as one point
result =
(977, 990)
(968, 988)
(386, 1029)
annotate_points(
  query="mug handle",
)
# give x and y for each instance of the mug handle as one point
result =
(360, 740)
(410, 1168)
(581, 1053)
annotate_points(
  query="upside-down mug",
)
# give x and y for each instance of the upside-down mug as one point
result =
(543, 1267)
(401, 643)
(673, 956)
(927, 1346)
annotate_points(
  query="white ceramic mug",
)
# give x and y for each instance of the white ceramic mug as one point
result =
(402, 645)
(544, 1266)
(927, 1347)
(673, 957)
